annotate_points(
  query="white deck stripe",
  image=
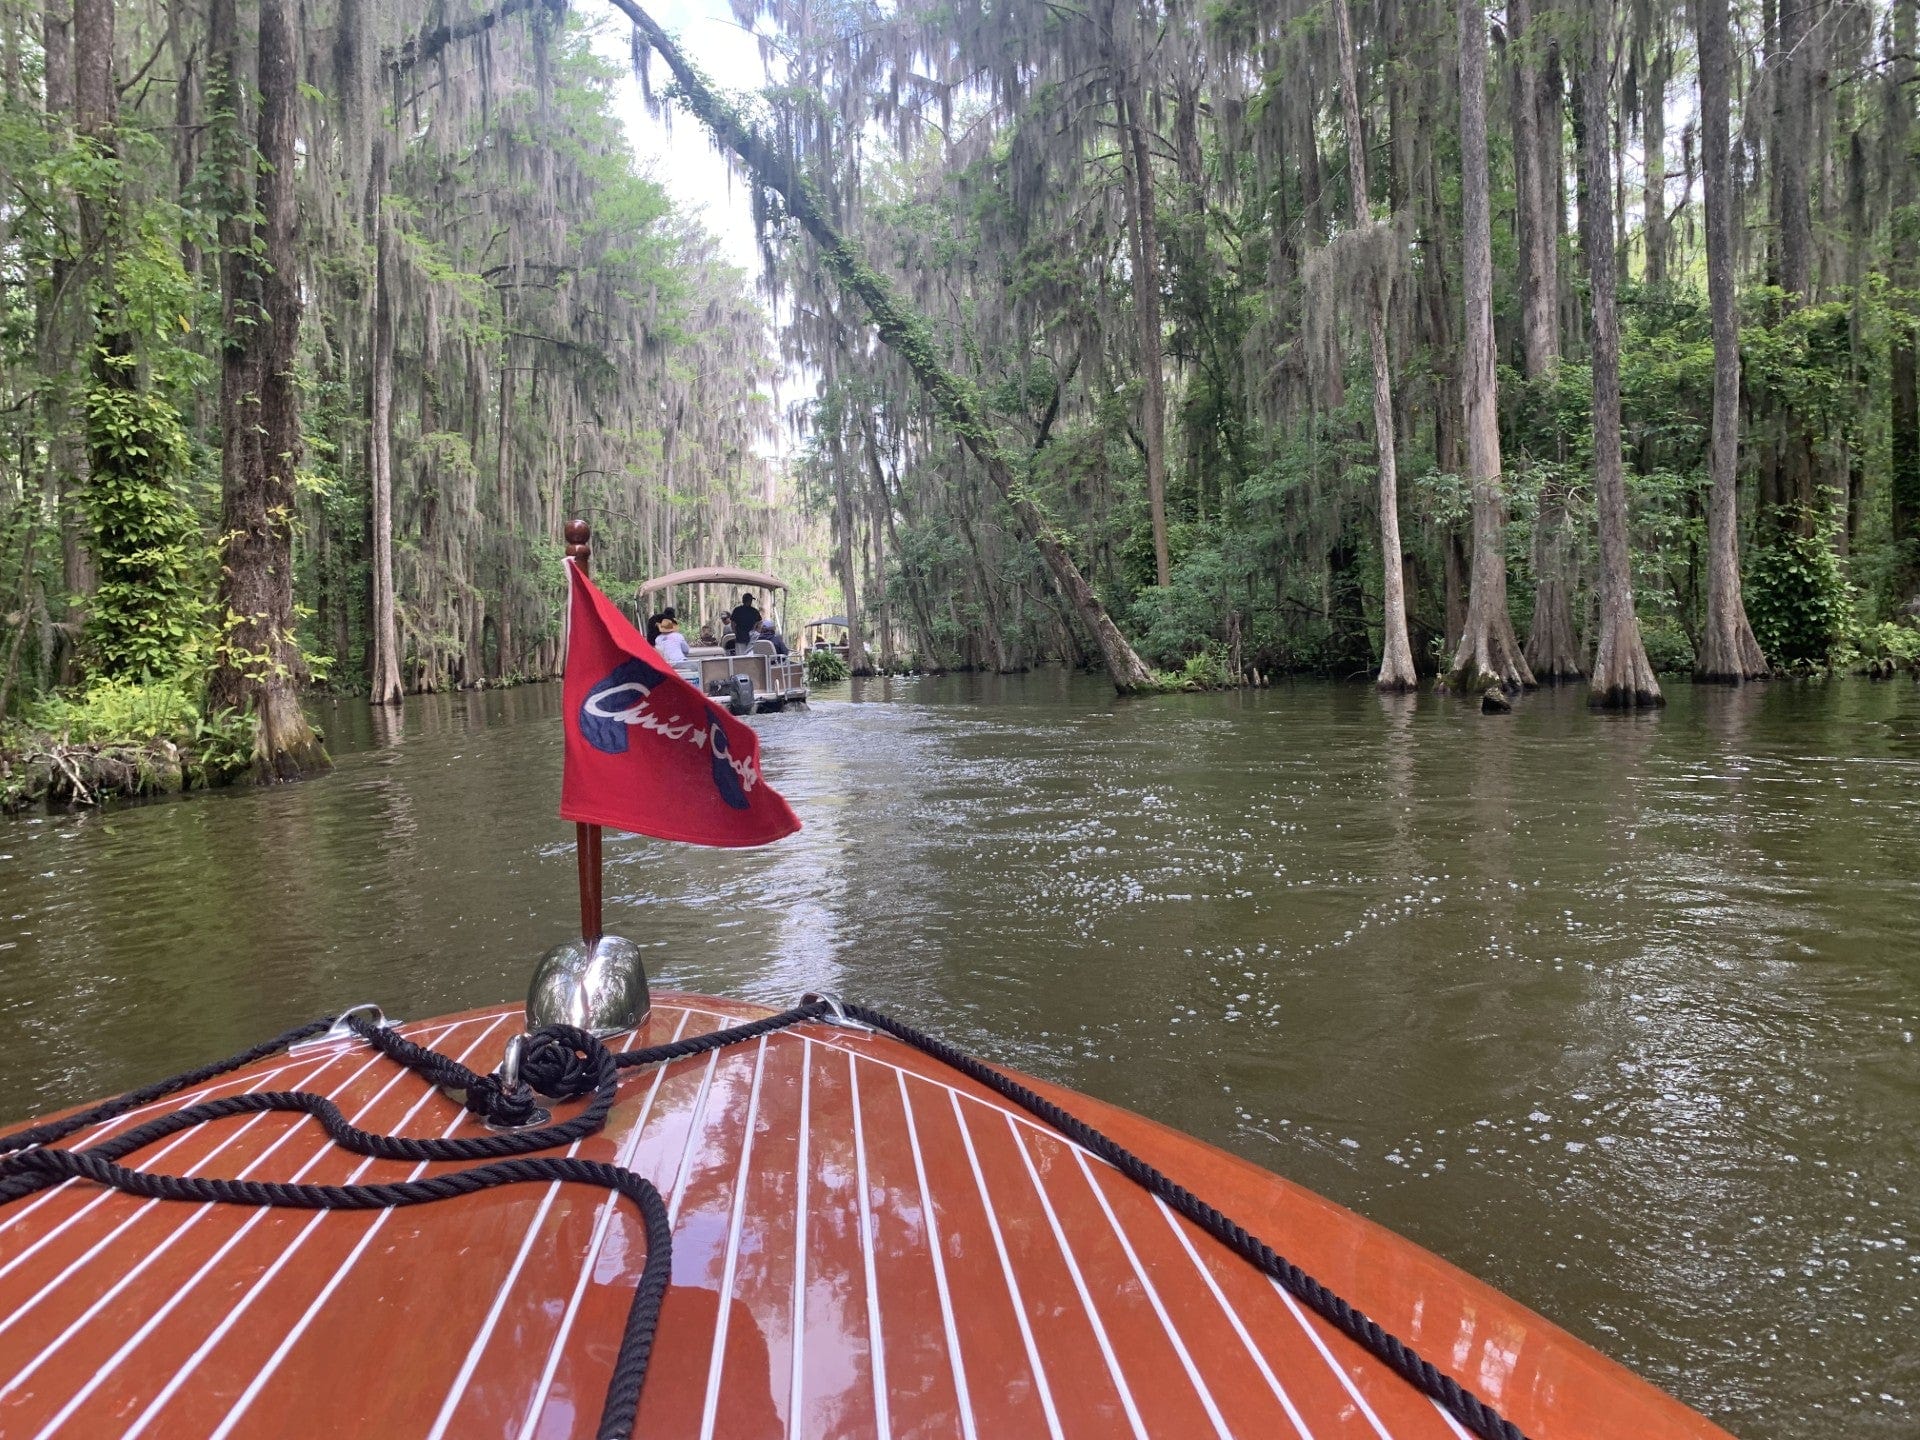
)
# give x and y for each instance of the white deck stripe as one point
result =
(146, 1162)
(1300, 1426)
(624, 1160)
(1006, 1270)
(1452, 1424)
(1080, 1286)
(695, 1120)
(876, 1349)
(177, 1101)
(1332, 1364)
(992, 1104)
(155, 1320)
(717, 1363)
(102, 1246)
(798, 1349)
(457, 1391)
(292, 1337)
(954, 1359)
(1159, 1306)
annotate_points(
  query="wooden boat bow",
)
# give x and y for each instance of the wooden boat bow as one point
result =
(864, 1242)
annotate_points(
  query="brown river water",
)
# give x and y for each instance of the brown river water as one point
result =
(1618, 1013)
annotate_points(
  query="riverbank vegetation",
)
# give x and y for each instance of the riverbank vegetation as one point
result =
(1569, 339)
(310, 340)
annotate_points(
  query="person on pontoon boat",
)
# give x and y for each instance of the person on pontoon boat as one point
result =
(745, 619)
(672, 645)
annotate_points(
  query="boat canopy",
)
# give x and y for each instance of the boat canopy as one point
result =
(839, 620)
(714, 575)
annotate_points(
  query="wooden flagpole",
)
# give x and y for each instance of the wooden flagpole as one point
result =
(586, 838)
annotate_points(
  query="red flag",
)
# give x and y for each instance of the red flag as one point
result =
(646, 751)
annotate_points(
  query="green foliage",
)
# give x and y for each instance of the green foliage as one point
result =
(1206, 670)
(1798, 600)
(129, 714)
(1669, 650)
(1187, 615)
(1888, 643)
(112, 711)
(150, 614)
(1801, 360)
(825, 667)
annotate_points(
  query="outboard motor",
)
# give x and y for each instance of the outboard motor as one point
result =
(740, 694)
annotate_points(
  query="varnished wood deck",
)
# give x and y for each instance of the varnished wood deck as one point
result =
(865, 1244)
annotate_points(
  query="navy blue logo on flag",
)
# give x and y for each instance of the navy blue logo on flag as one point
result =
(725, 778)
(615, 703)
(619, 702)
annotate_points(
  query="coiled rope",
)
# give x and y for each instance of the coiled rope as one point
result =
(565, 1063)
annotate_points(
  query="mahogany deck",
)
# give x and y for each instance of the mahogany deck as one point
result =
(865, 1244)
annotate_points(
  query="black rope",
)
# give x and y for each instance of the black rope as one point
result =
(50, 1167)
(563, 1061)
(719, 1039)
(59, 1129)
(1466, 1407)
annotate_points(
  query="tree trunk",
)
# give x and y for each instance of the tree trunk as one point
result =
(907, 334)
(1792, 142)
(260, 666)
(1728, 652)
(1488, 654)
(916, 601)
(63, 328)
(880, 522)
(1903, 392)
(1622, 678)
(1536, 135)
(1553, 650)
(384, 652)
(1553, 647)
(1396, 650)
(1653, 135)
(844, 511)
(1143, 247)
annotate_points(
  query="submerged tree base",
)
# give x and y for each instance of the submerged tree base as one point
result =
(1558, 674)
(1626, 697)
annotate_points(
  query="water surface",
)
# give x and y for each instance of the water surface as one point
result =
(1618, 1013)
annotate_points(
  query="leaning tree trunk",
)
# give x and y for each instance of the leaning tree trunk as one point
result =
(1396, 651)
(1553, 650)
(908, 335)
(1622, 677)
(260, 666)
(1488, 654)
(1728, 651)
(384, 660)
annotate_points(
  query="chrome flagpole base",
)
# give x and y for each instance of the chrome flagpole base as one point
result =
(599, 986)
